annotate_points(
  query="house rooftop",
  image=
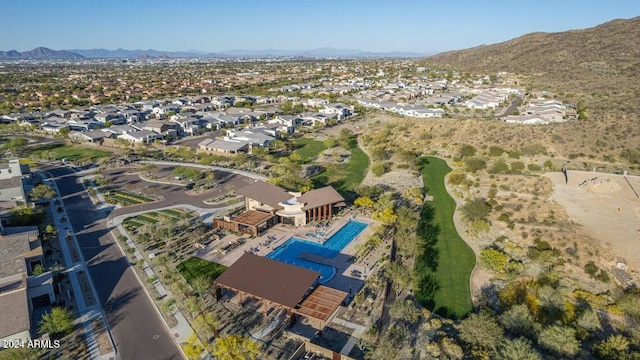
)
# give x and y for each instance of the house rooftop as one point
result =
(14, 310)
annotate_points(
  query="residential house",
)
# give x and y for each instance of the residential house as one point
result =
(188, 125)
(142, 136)
(111, 117)
(250, 136)
(83, 125)
(223, 146)
(93, 136)
(21, 291)
(167, 128)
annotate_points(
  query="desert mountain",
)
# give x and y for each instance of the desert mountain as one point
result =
(604, 58)
(39, 53)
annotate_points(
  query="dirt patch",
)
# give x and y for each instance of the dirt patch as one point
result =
(606, 208)
(102, 337)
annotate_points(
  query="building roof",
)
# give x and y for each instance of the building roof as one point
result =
(223, 145)
(15, 312)
(319, 197)
(268, 279)
(265, 193)
(11, 183)
(253, 217)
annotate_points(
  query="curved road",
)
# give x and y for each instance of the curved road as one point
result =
(138, 330)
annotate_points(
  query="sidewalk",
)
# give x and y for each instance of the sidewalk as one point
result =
(88, 307)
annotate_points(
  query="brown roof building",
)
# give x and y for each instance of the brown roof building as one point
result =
(268, 280)
(275, 283)
(290, 208)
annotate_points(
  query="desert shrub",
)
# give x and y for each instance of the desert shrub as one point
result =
(514, 154)
(476, 209)
(534, 167)
(474, 164)
(495, 151)
(533, 149)
(380, 169)
(467, 151)
(499, 166)
(517, 166)
(493, 259)
(456, 178)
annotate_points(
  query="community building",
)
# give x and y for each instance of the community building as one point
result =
(267, 205)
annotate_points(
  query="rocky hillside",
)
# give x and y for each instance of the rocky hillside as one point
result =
(605, 58)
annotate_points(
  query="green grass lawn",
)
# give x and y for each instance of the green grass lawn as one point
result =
(173, 213)
(344, 177)
(71, 153)
(309, 148)
(195, 267)
(146, 219)
(445, 265)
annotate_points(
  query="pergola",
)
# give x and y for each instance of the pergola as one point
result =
(282, 285)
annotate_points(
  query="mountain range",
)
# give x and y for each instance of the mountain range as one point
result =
(39, 53)
(43, 53)
(602, 58)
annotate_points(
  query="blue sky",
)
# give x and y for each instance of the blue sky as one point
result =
(214, 25)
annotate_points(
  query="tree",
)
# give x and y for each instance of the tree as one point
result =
(57, 322)
(42, 192)
(15, 145)
(210, 177)
(192, 347)
(364, 201)
(401, 276)
(480, 332)
(51, 229)
(39, 269)
(235, 347)
(517, 349)
(202, 285)
(559, 339)
(615, 347)
(405, 310)
(493, 259)
(207, 323)
(518, 321)
(386, 216)
(476, 209)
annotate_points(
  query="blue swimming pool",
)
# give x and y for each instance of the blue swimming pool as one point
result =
(290, 251)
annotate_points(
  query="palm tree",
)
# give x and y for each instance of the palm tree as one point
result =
(58, 322)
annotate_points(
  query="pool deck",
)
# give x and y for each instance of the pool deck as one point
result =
(342, 262)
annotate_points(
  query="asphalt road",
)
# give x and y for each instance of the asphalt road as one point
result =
(138, 330)
(512, 107)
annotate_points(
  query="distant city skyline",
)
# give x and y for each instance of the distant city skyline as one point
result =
(373, 25)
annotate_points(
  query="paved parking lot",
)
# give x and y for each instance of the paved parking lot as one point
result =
(168, 194)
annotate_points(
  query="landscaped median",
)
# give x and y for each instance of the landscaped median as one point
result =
(125, 198)
(444, 263)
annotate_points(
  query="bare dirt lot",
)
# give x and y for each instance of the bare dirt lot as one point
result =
(606, 207)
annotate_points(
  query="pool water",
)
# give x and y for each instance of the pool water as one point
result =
(290, 251)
